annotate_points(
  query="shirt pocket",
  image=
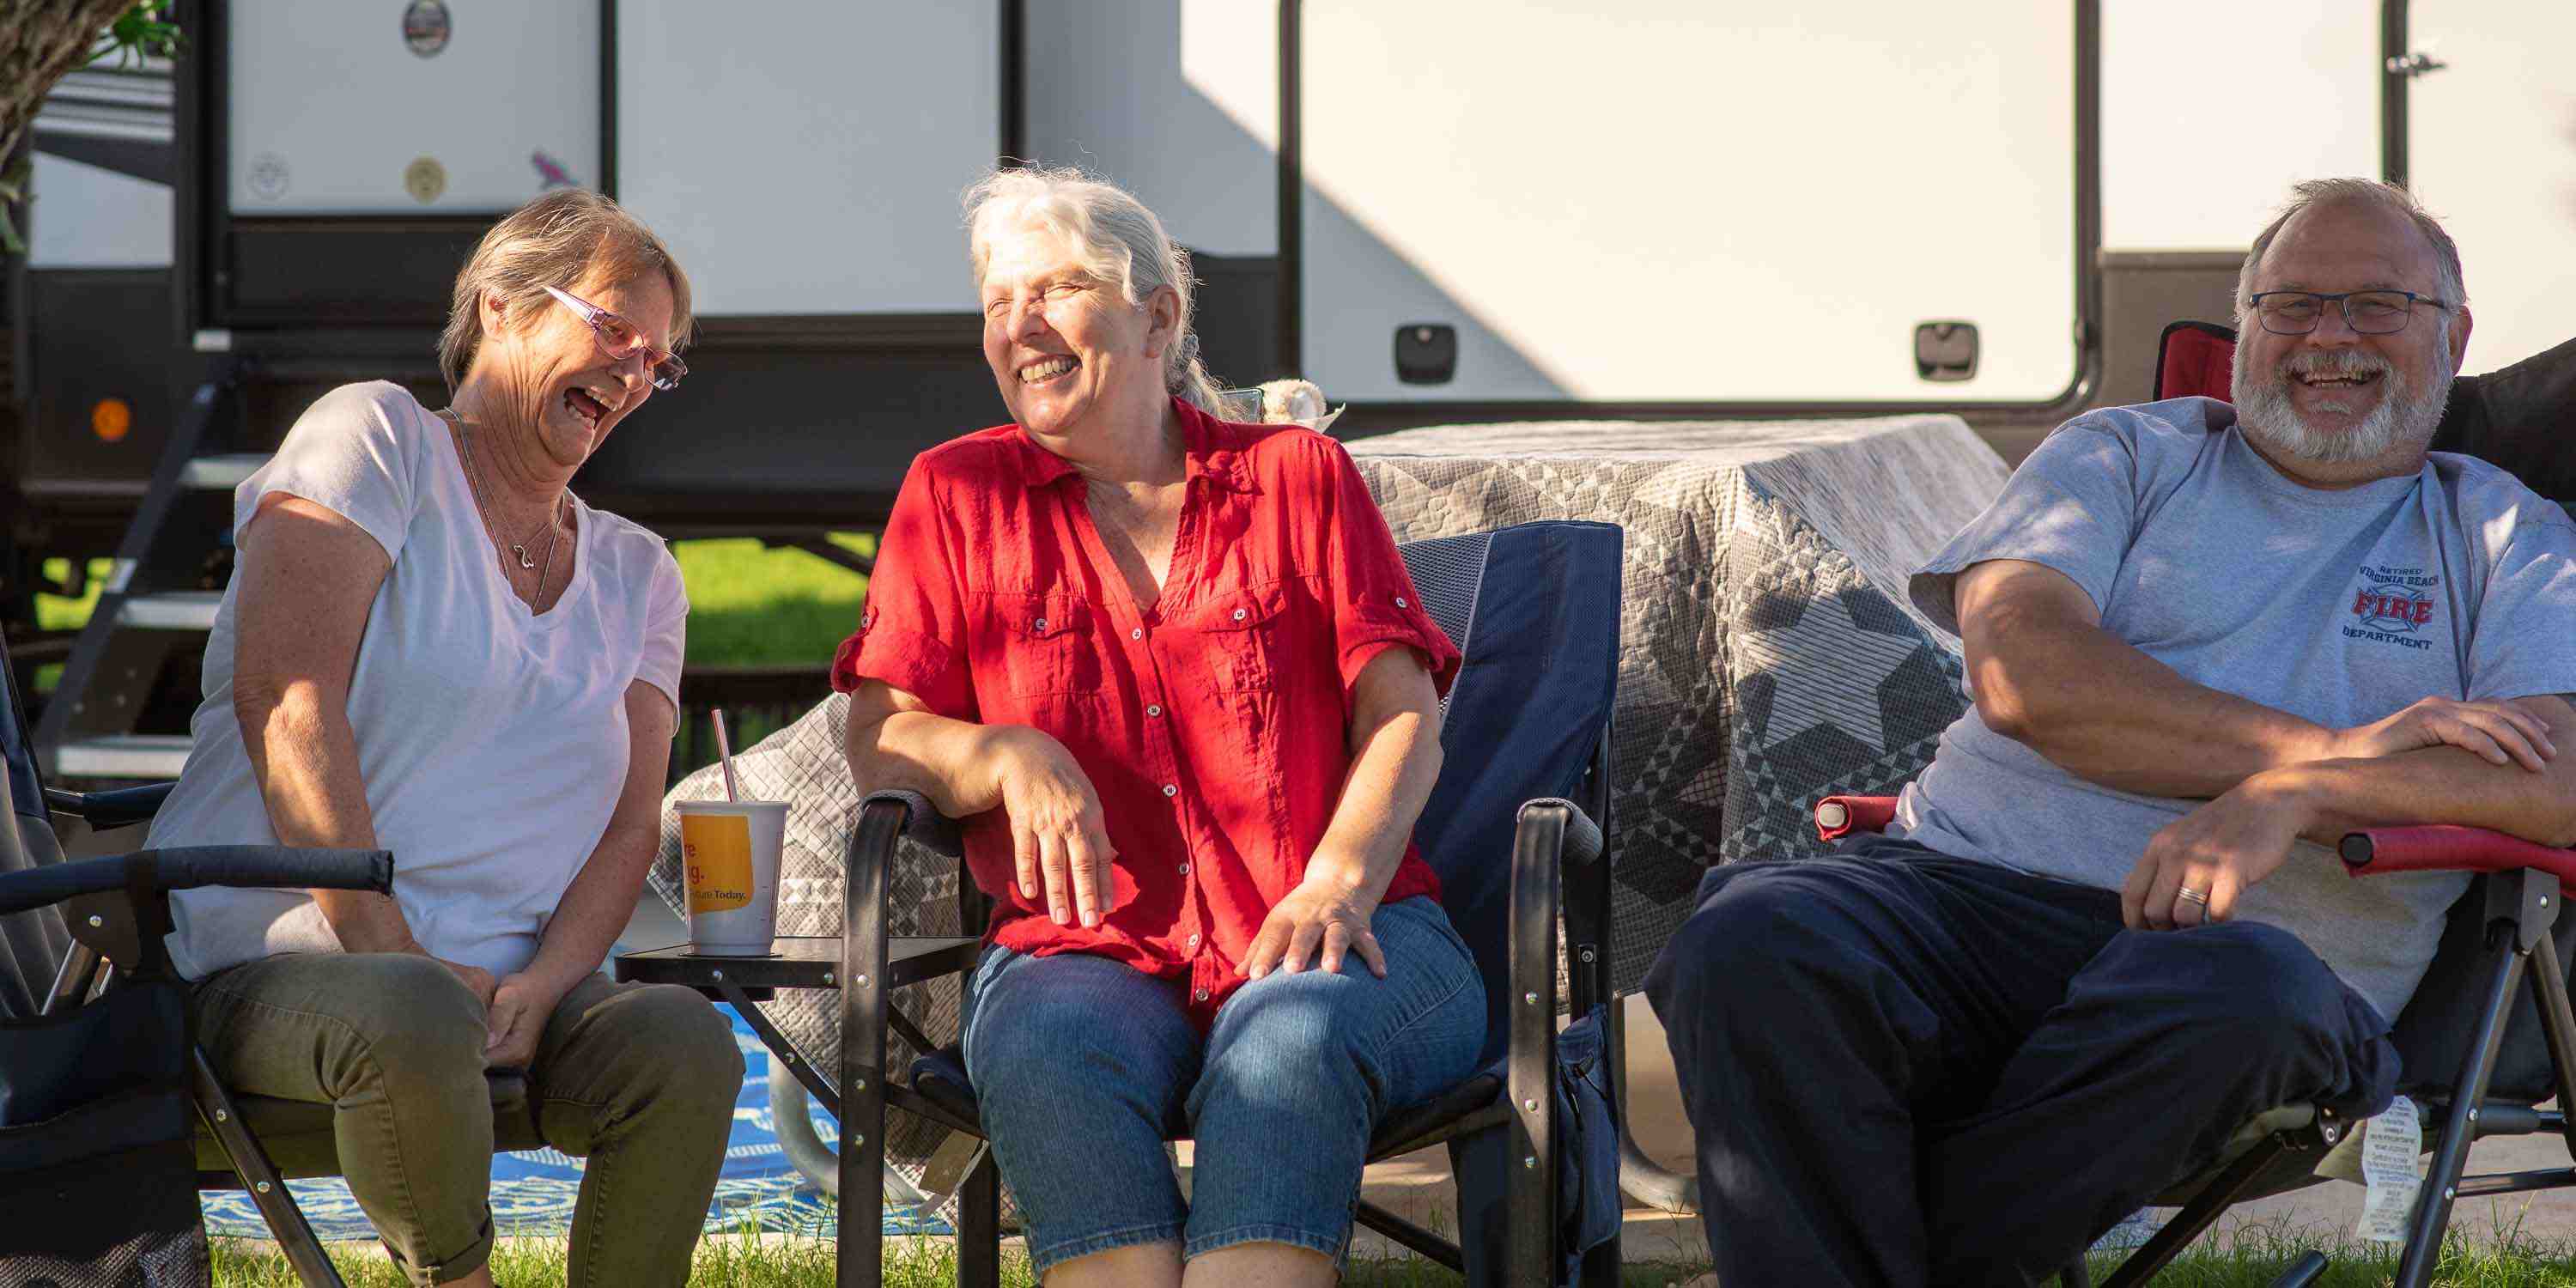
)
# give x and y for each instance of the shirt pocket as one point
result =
(1241, 633)
(1045, 644)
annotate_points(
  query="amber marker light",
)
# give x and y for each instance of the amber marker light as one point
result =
(110, 419)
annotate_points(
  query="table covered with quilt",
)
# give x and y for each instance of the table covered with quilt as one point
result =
(1769, 657)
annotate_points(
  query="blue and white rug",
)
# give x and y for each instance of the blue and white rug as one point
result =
(533, 1190)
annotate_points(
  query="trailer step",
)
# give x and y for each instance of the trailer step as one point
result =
(158, 756)
(176, 610)
(221, 473)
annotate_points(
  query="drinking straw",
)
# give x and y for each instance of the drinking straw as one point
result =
(724, 753)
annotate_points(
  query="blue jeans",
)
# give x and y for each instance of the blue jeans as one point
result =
(1083, 1066)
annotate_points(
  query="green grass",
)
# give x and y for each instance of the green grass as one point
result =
(2253, 1255)
(777, 1261)
(2248, 1258)
(754, 606)
(59, 613)
(749, 605)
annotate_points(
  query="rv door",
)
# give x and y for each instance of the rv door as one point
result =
(1676, 203)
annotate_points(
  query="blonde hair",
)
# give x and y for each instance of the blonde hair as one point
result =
(556, 240)
(1116, 239)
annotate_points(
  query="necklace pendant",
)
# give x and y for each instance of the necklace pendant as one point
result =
(522, 553)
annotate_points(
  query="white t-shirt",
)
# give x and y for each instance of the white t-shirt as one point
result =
(492, 742)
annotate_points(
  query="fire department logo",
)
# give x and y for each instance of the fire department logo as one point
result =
(2394, 606)
(2391, 607)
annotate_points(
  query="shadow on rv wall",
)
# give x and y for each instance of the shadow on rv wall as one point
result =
(1114, 88)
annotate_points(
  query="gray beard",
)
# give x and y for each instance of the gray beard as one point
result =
(2264, 412)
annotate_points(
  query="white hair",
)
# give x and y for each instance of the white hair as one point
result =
(1115, 238)
(2364, 192)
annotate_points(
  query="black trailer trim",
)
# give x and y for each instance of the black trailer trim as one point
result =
(2392, 91)
(145, 159)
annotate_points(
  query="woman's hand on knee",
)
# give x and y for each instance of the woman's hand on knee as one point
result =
(477, 979)
(1059, 837)
(1318, 917)
(519, 1009)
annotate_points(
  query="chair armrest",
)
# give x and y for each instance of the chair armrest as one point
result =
(122, 807)
(1582, 844)
(2445, 848)
(923, 822)
(1840, 816)
(187, 867)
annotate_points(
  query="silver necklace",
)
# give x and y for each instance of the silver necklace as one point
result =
(518, 549)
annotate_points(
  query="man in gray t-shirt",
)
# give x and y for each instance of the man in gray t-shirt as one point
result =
(2103, 930)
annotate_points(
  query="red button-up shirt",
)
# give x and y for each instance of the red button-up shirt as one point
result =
(1214, 723)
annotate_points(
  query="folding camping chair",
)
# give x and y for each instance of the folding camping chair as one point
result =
(2474, 1063)
(2465, 1053)
(1534, 1138)
(98, 1076)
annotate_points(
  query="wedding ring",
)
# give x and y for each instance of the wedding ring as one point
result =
(2193, 896)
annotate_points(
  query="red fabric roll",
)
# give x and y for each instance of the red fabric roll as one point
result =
(2449, 849)
(1858, 813)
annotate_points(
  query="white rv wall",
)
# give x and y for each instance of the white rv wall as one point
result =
(2492, 150)
(88, 217)
(810, 162)
(2211, 109)
(1679, 201)
(1174, 100)
(330, 107)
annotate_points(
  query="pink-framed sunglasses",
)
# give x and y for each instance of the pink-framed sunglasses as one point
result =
(620, 340)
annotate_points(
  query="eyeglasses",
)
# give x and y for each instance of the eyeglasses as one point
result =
(619, 339)
(2367, 312)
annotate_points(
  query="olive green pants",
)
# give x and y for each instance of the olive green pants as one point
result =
(638, 1079)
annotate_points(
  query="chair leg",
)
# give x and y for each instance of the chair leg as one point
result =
(2197, 1216)
(1419, 1239)
(2302, 1272)
(78, 975)
(863, 1045)
(2451, 1156)
(979, 1227)
(268, 1193)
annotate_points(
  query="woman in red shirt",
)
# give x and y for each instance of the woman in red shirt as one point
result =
(1174, 675)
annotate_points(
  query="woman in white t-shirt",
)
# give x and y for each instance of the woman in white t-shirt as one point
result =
(430, 645)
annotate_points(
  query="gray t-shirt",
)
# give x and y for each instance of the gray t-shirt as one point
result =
(2339, 607)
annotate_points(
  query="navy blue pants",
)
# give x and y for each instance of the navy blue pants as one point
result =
(1908, 1069)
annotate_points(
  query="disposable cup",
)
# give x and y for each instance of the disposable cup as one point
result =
(730, 852)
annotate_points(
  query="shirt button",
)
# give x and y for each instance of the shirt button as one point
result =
(1171, 789)
(1185, 869)
(1202, 995)
(1239, 614)
(1399, 602)
(1194, 941)
(1136, 634)
(1041, 626)
(1154, 710)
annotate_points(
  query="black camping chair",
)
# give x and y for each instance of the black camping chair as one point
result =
(1534, 1138)
(101, 1082)
(2478, 1066)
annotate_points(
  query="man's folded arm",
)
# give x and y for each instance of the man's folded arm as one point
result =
(2442, 785)
(2047, 675)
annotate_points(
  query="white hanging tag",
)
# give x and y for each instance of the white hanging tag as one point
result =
(2389, 1158)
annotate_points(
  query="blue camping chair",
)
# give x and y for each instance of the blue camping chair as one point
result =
(1534, 1137)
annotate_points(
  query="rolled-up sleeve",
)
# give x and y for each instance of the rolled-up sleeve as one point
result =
(911, 631)
(1375, 606)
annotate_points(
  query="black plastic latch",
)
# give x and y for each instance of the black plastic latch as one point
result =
(1945, 350)
(1426, 353)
